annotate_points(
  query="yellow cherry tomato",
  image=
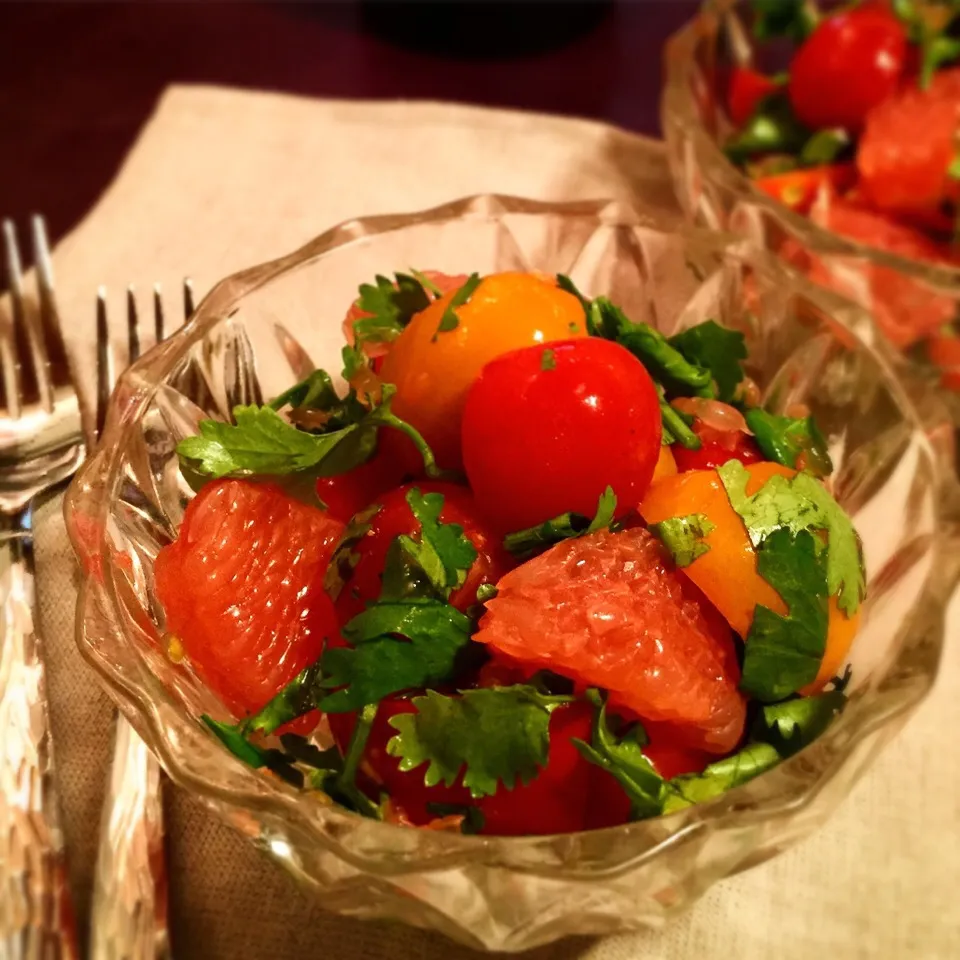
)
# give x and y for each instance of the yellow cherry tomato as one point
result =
(433, 369)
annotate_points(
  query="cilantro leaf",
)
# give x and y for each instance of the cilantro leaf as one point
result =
(717, 349)
(801, 503)
(450, 320)
(773, 128)
(233, 738)
(826, 146)
(526, 543)
(548, 360)
(444, 552)
(716, 779)
(794, 442)
(345, 557)
(493, 735)
(783, 653)
(621, 755)
(395, 646)
(259, 442)
(664, 362)
(684, 536)
(294, 700)
(316, 392)
(794, 724)
(794, 19)
(391, 304)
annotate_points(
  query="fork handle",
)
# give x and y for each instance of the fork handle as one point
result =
(36, 915)
(129, 918)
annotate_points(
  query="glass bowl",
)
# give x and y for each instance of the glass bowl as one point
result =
(252, 337)
(902, 294)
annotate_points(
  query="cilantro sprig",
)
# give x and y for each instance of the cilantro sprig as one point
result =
(524, 544)
(261, 443)
(490, 735)
(391, 305)
(410, 637)
(780, 731)
(621, 755)
(450, 320)
(782, 653)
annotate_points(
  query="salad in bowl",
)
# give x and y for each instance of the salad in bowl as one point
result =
(525, 591)
(833, 130)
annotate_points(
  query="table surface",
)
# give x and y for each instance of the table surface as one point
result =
(77, 80)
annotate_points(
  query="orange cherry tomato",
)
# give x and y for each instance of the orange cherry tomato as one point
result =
(434, 369)
(666, 465)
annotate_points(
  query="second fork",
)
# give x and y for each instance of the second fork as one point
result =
(129, 918)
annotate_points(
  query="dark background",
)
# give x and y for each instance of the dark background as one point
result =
(77, 80)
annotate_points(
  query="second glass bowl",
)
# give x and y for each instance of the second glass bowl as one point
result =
(715, 193)
(251, 338)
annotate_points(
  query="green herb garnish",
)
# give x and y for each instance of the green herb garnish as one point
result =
(392, 304)
(796, 442)
(526, 543)
(773, 128)
(450, 320)
(783, 653)
(492, 735)
(684, 537)
(794, 19)
(716, 349)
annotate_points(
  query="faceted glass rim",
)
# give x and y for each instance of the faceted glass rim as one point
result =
(408, 850)
(678, 107)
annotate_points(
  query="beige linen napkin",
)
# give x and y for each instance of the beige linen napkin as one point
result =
(220, 180)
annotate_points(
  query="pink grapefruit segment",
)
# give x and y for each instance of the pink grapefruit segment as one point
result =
(242, 588)
(611, 611)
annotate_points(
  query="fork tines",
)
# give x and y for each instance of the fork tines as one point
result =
(106, 372)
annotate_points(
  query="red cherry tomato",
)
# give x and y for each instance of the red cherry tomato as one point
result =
(716, 448)
(348, 493)
(747, 88)
(851, 62)
(393, 518)
(547, 428)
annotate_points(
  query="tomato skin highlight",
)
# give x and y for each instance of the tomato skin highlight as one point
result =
(851, 62)
(547, 429)
(394, 518)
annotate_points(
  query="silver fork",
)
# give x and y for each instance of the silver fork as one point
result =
(41, 445)
(129, 914)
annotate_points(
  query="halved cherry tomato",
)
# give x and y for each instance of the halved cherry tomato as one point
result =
(799, 188)
(852, 61)
(433, 369)
(666, 464)
(547, 429)
(393, 518)
(716, 448)
(747, 88)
